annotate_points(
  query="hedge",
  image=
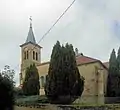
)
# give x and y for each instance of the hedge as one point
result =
(31, 100)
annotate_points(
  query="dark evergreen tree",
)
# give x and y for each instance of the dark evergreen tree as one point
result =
(113, 63)
(118, 61)
(63, 82)
(6, 93)
(113, 84)
(31, 83)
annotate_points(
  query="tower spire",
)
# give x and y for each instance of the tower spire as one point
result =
(30, 37)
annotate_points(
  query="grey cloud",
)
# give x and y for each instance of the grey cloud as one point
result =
(87, 25)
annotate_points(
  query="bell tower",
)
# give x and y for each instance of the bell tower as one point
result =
(30, 52)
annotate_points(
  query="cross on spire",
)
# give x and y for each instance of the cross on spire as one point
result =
(30, 21)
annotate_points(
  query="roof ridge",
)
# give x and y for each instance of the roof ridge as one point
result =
(106, 62)
(90, 58)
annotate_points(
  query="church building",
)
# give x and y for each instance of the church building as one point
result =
(93, 70)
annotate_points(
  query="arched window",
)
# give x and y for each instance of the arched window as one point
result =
(33, 55)
(36, 56)
(27, 55)
(24, 55)
(42, 81)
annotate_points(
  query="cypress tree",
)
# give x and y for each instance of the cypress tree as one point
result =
(64, 83)
(118, 61)
(31, 83)
(113, 63)
(113, 88)
(51, 84)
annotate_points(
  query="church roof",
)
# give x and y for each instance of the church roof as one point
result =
(30, 37)
(106, 64)
(81, 60)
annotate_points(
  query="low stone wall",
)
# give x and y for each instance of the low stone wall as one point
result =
(67, 107)
(83, 108)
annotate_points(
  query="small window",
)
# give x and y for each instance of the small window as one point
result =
(36, 56)
(33, 55)
(27, 55)
(24, 55)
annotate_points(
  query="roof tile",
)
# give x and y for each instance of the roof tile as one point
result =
(84, 59)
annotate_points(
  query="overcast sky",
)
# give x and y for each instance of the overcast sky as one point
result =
(93, 26)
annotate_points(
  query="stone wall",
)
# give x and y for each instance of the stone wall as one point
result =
(90, 99)
(66, 107)
(82, 108)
